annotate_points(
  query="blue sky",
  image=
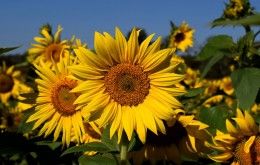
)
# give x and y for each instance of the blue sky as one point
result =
(20, 20)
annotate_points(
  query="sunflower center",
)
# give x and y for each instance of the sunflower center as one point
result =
(61, 97)
(252, 157)
(179, 37)
(54, 51)
(174, 135)
(6, 83)
(127, 84)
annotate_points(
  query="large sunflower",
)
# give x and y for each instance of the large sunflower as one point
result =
(184, 136)
(54, 104)
(49, 47)
(241, 145)
(182, 37)
(11, 84)
(126, 84)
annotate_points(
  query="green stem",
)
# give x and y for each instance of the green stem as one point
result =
(247, 28)
(124, 149)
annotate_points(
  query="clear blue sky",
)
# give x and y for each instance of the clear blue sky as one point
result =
(21, 19)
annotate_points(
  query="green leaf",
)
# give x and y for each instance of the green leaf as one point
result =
(246, 83)
(51, 144)
(25, 127)
(110, 143)
(98, 160)
(250, 20)
(257, 118)
(194, 92)
(217, 57)
(215, 117)
(93, 146)
(215, 45)
(5, 50)
(135, 144)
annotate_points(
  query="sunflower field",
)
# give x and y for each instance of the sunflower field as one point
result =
(134, 98)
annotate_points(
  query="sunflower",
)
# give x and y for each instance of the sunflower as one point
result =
(54, 107)
(226, 85)
(92, 134)
(76, 43)
(241, 143)
(234, 9)
(48, 47)
(184, 136)
(192, 78)
(127, 85)
(11, 116)
(213, 100)
(182, 37)
(11, 84)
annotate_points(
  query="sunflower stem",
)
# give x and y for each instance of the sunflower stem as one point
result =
(124, 149)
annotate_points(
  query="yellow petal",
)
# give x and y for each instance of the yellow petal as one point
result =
(100, 48)
(249, 143)
(117, 121)
(230, 127)
(221, 157)
(250, 120)
(148, 119)
(242, 124)
(128, 121)
(132, 46)
(108, 114)
(165, 79)
(121, 45)
(140, 128)
(153, 60)
(140, 56)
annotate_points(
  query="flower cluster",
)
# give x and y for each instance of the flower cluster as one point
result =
(134, 99)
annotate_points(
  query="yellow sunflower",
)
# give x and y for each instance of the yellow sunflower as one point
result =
(48, 47)
(234, 9)
(76, 43)
(127, 85)
(192, 78)
(213, 100)
(226, 85)
(92, 134)
(241, 144)
(184, 136)
(11, 116)
(54, 110)
(182, 37)
(11, 84)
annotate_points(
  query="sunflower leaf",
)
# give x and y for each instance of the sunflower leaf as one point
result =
(110, 143)
(5, 50)
(217, 57)
(107, 159)
(51, 144)
(92, 146)
(193, 92)
(250, 20)
(25, 127)
(246, 83)
(215, 45)
(215, 117)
